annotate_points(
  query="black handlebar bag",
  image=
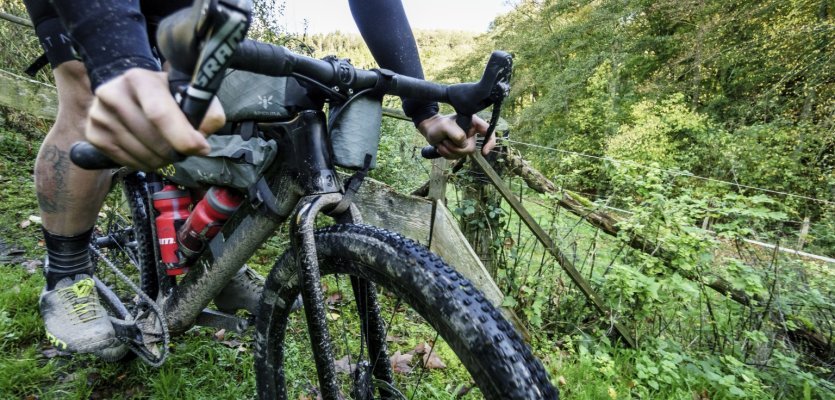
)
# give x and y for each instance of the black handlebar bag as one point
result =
(235, 161)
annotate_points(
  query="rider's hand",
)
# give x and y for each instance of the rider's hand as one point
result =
(135, 120)
(450, 140)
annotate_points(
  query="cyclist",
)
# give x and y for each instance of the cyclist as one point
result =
(111, 92)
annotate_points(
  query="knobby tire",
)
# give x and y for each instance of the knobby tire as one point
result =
(499, 362)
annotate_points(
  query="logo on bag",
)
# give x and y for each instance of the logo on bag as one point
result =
(266, 101)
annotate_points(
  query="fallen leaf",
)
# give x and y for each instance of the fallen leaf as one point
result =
(465, 390)
(421, 349)
(400, 362)
(333, 316)
(35, 219)
(25, 224)
(68, 378)
(221, 334)
(431, 360)
(561, 380)
(231, 343)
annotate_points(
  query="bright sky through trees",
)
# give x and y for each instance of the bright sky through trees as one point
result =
(331, 15)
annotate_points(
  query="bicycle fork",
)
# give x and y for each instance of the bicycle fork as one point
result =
(322, 198)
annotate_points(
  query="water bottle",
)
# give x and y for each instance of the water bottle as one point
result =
(172, 205)
(206, 219)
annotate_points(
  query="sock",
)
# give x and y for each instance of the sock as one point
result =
(67, 256)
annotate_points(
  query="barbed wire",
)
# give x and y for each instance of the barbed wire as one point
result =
(671, 171)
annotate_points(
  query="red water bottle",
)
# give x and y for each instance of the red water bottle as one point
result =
(206, 219)
(172, 205)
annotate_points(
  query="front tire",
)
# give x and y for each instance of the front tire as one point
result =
(498, 361)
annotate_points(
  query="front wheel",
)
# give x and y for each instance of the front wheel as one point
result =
(476, 351)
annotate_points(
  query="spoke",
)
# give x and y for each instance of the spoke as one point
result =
(344, 327)
(388, 328)
(423, 365)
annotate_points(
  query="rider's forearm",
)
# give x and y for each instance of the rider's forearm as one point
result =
(110, 34)
(386, 30)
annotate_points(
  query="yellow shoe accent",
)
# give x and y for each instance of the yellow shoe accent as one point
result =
(83, 288)
(58, 343)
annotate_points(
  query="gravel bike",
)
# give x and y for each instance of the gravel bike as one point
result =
(383, 270)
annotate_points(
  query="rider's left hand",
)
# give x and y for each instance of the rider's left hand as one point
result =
(450, 140)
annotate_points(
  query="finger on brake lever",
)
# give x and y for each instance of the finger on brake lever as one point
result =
(463, 121)
(431, 152)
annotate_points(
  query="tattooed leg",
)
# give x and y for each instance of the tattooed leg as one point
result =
(68, 196)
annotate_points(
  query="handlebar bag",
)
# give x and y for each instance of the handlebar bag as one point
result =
(247, 96)
(355, 131)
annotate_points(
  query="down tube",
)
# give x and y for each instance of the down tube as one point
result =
(208, 277)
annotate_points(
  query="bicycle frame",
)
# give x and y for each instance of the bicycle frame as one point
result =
(307, 183)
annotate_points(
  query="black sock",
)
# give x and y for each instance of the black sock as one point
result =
(66, 256)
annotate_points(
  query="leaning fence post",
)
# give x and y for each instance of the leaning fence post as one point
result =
(804, 232)
(552, 248)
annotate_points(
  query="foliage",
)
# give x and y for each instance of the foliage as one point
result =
(737, 91)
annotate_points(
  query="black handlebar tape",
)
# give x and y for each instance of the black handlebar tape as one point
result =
(430, 152)
(87, 156)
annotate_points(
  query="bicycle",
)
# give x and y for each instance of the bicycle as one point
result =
(377, 263)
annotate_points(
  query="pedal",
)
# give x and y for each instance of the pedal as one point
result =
(220, 320)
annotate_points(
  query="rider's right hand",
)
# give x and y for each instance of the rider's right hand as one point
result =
(136, 122)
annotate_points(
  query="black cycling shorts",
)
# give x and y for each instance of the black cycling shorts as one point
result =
(57, 43)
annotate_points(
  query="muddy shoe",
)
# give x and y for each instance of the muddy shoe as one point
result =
(76, 321)
(241, 293)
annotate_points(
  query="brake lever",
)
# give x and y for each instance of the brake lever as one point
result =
(430, 152)
(223, 24)
(501, 65)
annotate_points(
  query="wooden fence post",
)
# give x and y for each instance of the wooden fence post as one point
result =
(804, 232)
(552, 248)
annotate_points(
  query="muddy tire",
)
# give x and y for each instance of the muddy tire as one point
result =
(498, 361)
